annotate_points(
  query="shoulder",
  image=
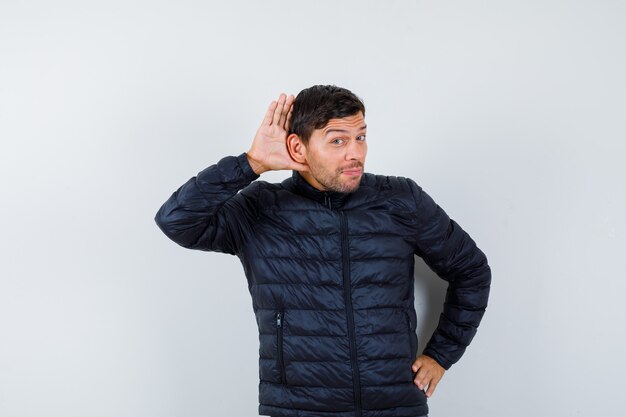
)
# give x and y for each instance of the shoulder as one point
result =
(392, 183)
(258, 187)
(266, 194)
(390, 191)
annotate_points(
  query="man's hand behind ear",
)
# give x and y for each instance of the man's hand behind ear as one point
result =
(269, 147)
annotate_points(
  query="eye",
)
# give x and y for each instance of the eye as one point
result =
(361, 138)
(337, 141)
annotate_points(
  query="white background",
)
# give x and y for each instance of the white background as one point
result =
(510, 114)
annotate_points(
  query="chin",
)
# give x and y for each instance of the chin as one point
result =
(350, 188)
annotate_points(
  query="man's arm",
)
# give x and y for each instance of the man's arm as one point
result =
(452, 254)
(208, 212)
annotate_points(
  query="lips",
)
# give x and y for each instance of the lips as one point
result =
(352, 171)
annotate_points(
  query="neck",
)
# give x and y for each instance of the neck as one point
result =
(312, 181)
(331, 199)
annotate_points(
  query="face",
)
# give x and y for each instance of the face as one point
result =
(336, 154)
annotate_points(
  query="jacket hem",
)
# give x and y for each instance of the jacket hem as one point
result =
(404, 411)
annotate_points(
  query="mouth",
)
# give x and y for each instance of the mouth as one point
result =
(353, 171)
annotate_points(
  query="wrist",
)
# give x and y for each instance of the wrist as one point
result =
(256, 166)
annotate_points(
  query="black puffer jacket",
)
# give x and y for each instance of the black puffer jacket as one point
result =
(331, 280)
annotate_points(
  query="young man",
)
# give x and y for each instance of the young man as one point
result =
(329, 258)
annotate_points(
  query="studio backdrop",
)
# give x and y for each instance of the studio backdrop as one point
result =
(509, 114)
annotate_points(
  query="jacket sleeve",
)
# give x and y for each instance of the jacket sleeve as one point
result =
(452, 254)
(208, 212)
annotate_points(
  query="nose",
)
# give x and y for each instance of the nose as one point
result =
(356, 150)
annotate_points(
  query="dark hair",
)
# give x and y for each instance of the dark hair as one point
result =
(315, 106)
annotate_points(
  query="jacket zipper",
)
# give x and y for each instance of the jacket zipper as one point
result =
(347, 292)
(279, 344)
(408, 325)
(327, 201)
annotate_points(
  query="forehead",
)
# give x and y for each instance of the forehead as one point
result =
(354, 122)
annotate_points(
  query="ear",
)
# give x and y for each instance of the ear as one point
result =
(296, 148)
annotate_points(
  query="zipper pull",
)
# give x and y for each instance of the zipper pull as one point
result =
(279, 319)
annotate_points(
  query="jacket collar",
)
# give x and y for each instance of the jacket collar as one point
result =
(329, 199)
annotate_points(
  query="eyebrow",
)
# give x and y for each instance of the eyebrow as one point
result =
(342, 130)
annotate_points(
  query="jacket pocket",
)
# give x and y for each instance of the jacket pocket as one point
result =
(280, 322)
(410, 333)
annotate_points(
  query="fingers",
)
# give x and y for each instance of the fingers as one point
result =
(282, 122)
(428, 374)
(279, 109)
(423, 377)
(432, 384)
(279, 112)
(416, 365)
(288, 124)
(296, 166)
(269, 114)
